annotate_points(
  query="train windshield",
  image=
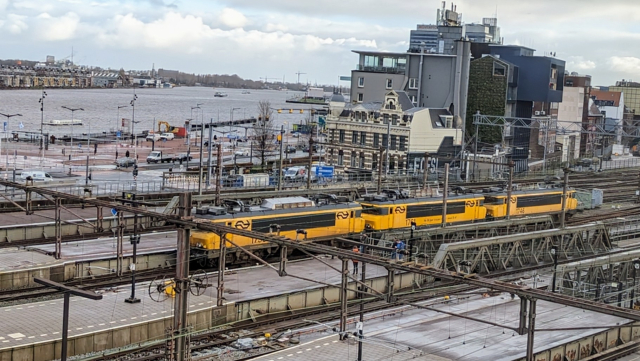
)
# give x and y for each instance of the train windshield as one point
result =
(373, 210)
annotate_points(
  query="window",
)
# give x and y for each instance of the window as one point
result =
(385, 118)
(354, 137)
(394, 119)
(498, 69)
(385, 140)
(374, 161)
(361, 160)
(341, 136)
(360, 82)
(413, 83)
(414, 100)
(340, 157)
(393, 143)
(554, 105)
(376, 139)
(333, 135)
(353, 159)
(363, 138)
(360, 97)
(400, 165)
(389, 83)
(403, 143)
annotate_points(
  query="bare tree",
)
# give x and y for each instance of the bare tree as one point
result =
(263, 134)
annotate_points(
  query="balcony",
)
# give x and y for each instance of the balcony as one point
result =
(382, 69)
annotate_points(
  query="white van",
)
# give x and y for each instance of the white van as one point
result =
(37, 176)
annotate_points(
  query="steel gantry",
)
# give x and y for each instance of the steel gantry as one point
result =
(527, 294)
(560, 126)
(502, 253)
(610, 279)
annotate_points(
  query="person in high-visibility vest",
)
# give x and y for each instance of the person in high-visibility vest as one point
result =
(355, 261)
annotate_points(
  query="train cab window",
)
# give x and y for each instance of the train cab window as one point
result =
(228, 223)
(358, 213)
(378, 211)
(352, 214)
(493, 200)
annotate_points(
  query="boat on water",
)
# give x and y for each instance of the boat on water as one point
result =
(220, 95)
(246, 92)
(63, 122)
(312, 96)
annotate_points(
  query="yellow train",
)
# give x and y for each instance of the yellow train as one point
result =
(299, 217)
(292, 217)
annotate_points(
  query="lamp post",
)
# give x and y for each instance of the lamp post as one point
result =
(201, 145)
(232, 125)
(187, 125)
(118, 116)
(73, 110)
(135, 240)
(133, 116)
(280, 169)
(554, 254)
(8, 116)
(413, 228)
(636, 267)
(41, 101)
(192, 118)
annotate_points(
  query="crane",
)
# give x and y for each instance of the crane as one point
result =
(298, 74)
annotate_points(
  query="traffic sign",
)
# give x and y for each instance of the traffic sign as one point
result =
(324, 171)
(114, 212)
(118, 134)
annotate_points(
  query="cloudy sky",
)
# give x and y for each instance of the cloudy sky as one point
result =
(276, 38)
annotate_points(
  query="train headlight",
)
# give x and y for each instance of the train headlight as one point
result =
(199, 245)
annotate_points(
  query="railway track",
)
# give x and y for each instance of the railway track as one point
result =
(323, 314)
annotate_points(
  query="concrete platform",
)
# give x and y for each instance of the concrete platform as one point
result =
(441, 337)
(12, 259)
(41, 322)
(82, 259)
(106, 247)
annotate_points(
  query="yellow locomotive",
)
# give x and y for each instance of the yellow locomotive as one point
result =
(289, 217)
(524, 203)
(384, 212)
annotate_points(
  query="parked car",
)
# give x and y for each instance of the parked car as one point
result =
(290, 149)
(36, 176)
(167, 136)
(125, 162)
(182, 157)
(153, 137)
(241, 153)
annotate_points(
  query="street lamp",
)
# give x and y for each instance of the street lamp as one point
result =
(135, 240)
(280, 170)
(554, 254)
(232, 125)
(41, 101)
(201, 145)
(118, 116)
(634, 270)
(133, 116)
(8, 116)
(73, 110)
(413, 228)
(191, 118)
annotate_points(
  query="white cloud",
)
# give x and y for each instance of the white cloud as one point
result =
(58, 28)
(233, 18)
(579, 63)
(625, 64)
(15, 24)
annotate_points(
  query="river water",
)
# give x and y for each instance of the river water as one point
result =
(152, 105)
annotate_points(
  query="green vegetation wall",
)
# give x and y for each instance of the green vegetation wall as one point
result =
(487, 94)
